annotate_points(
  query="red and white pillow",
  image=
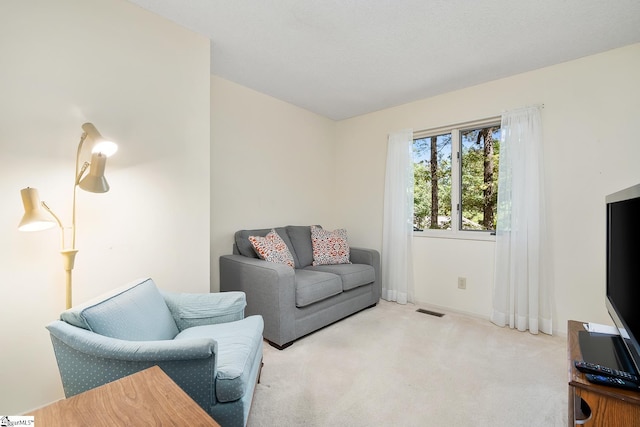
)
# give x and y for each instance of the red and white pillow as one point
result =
(329, 247)
(272, 248)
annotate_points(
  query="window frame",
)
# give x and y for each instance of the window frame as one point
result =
(456, 177)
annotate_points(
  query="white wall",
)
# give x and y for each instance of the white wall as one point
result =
(272, 164)
(142, 81)
(590, 118)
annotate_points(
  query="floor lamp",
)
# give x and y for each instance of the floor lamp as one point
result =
(38, 216)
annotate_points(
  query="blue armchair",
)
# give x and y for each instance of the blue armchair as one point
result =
(202, 341)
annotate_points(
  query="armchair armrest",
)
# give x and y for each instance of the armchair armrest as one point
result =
(87, 360)
(190, 310)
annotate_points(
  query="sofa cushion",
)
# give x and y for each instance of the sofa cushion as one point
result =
(329, 247)
(352, 275)
(238, 345)
(314, 286)
(136, 312)
(300, 236)
(272, 248)
(246, 248)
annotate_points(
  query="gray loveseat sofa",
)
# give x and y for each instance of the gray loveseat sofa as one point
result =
(297, 301)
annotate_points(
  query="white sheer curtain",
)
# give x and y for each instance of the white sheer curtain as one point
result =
(522, 294)
(397, 234)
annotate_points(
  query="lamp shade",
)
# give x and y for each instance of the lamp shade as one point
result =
(100, 144)
(35, 218)
(95, 182)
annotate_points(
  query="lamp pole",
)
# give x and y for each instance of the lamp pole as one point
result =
(69, 257)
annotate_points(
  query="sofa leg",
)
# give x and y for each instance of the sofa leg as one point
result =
(280, 347)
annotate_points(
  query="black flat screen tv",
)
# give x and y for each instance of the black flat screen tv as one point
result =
(623, 267)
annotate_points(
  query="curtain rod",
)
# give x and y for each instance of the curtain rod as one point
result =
(467, 124)
(540, 106)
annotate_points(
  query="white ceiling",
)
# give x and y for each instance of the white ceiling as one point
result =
(343, 58)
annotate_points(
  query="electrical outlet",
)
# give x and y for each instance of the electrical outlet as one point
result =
(462, 283)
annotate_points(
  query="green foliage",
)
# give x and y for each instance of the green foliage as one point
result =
(473, 183)
(422, 193)
(422, 181)
(472, 180)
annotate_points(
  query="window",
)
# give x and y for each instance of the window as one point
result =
(456, 177)
(432, 182)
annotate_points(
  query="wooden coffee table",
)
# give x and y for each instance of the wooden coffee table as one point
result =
(146, 398)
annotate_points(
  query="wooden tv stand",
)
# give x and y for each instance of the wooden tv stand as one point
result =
(592, 404)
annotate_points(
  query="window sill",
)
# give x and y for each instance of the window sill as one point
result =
(456, 235)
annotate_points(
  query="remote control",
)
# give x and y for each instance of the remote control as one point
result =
(592, 368)
(612, 381)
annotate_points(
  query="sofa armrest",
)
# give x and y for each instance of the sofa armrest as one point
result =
(190, 310)
(270, 291)
(372, 258)
(364, 256)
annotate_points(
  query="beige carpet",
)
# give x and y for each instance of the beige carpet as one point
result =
(392, 366)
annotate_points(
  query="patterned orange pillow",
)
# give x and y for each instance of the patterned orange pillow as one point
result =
(329, 247)
(272, 248)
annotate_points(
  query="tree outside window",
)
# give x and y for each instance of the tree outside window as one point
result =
(432, 178)
(472, 195)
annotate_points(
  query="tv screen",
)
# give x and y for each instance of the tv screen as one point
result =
(623, 267)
